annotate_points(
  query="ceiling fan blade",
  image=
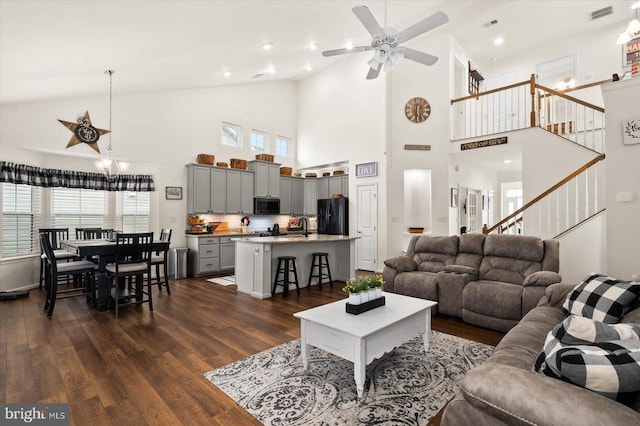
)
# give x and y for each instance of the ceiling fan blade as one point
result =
(427, 24)
(343, 51)
(374, 72)
(366, 17)
(416, 55)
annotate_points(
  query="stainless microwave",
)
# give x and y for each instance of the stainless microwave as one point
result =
(266, 206)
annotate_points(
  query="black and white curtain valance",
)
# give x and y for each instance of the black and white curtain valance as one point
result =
(37, 176)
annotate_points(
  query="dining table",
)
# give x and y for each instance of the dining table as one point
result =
(104, 250)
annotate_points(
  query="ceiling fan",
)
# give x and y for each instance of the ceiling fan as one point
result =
(387, 42)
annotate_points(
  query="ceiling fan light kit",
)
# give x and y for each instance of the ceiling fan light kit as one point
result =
(387, 42)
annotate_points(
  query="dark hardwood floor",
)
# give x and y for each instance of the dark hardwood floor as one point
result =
(147, 367)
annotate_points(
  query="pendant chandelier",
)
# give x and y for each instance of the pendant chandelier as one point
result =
(110, 167)
(633, 29)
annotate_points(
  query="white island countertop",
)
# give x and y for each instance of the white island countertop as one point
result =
(295, 238)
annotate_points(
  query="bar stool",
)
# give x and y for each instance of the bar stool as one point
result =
(286, 265)
(322, 261)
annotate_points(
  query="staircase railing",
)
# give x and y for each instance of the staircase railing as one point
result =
(571, 201)
(529, 104)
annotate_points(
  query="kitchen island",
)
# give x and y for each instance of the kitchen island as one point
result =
(257, 259)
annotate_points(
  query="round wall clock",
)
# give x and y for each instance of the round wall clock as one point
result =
(417, 109)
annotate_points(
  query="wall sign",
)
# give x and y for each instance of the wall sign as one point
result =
(482, 144)
(367, 169)
(631, 130)
(417, 147)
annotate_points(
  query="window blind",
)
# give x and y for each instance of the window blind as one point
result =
(21, 206)
(79, 208)
(132, 211)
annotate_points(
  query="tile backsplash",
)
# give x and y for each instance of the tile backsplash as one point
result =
(257, 223)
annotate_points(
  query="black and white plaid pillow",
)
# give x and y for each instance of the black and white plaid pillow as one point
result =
(610, 369)
(602, 298)
(576, 330)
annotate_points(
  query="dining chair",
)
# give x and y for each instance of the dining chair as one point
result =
(160, 258)
(54, 270)
(55, 236)
(93, 233)
(132, 260)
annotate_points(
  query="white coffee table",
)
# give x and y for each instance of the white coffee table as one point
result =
(365, 337)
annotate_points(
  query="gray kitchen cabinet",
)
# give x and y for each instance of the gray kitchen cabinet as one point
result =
(204, 255)
(297, 196)
(239, 192)
(227, 254)
(266, 178)
(323, 188)
(338, 185)
(218, 190)
(310, 196)
(285, 195)
(206, 189)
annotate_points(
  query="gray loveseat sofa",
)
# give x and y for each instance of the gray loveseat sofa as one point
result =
(505, 391)
(491, 281)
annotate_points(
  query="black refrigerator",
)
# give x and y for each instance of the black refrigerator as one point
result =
(333, 216)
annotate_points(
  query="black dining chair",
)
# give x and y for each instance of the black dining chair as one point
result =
(93, 233)
(133, 261)
(54, 270)
(55, 236)
(160, 258)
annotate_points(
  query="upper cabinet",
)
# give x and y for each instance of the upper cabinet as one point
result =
(219, 190)
(310, 197)
(266, 178)
(239, 192)
(291, 195)
(206, 189)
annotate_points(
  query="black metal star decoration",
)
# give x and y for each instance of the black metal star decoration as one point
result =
(84, 132)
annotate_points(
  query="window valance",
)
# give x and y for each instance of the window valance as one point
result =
(38, 176)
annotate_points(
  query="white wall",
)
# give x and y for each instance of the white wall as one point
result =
(158, 133)
(582, 250)
(623, 178)
(342, 117)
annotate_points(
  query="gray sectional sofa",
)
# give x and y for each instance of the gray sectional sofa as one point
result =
(491, 281)
(506, 391)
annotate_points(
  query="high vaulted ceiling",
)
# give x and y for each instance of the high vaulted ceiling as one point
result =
(58, 49)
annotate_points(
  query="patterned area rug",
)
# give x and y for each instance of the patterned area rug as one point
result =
(406, 387)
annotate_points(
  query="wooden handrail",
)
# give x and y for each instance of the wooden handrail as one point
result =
(488, 92)
(545, 193)
(572, 99)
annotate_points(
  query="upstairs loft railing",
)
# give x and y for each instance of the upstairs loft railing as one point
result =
(567, 204)
(529, 104)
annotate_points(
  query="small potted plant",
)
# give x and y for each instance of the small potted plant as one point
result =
(376, 283)
(354, 293)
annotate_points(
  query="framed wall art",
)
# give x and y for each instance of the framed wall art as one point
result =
(173, 192)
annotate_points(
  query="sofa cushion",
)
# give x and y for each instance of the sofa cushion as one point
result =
(602, 298)
(417, 284)
(493, 298)
(577, 330)
(610, 369)
(401, 264)
(506, 269)
(542, 278)
(515, 247)
(431, 254)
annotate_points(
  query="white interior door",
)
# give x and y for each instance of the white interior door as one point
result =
(367, 244)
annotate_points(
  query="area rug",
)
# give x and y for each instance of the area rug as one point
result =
(407, 386)
(226, 280)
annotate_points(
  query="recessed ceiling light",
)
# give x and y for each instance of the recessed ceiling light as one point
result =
(308, 67)
(267, 46)
(270, 70)
(349, 45)
(507, 161)
(635, 6)
(227, 74)
(313, 46)
(498, 41)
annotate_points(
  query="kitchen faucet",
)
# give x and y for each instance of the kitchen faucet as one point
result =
(305, 221)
